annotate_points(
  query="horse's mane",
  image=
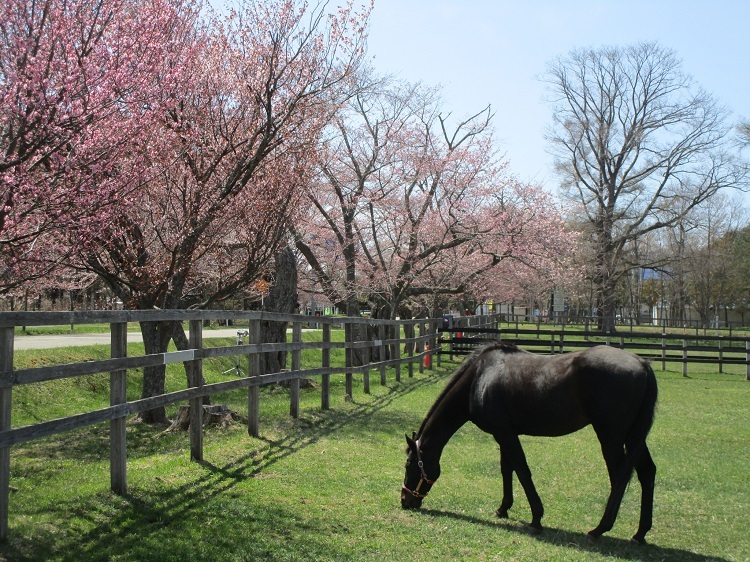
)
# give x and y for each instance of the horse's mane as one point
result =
(463, 369)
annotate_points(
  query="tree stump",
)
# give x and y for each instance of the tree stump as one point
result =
(215, 415)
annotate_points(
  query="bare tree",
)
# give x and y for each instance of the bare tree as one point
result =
(637, 146)
(743, 129)
(710, 285)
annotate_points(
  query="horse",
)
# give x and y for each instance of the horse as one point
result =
(507, 392)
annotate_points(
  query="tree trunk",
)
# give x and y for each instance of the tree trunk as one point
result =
(360, 332)
(156, 337)
(282, 298)
(606, 285)
(182, 343)
(409, 332)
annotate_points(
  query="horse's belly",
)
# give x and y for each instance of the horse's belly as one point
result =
(532, 420)
(551, 428)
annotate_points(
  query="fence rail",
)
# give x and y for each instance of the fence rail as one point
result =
(460, 336)
(625, 322)
(387, 348)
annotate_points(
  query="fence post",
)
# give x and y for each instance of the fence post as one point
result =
(296, 365)
(366, 377)
(747, 362)
(663, 349)
(438, 342)
(348, 351)
(451, 335)
(684, 358)
(721, 356)
(118, 387)
(397, 349)
(421, 347)
(366, 369)
(195, 379)
(410, 349)
(382, 355)
(431, 329)
(6, 365)
(325, 395)
(253, 391)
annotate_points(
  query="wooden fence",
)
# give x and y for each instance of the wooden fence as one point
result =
(473, 330)
(387, 350)
(462, 334)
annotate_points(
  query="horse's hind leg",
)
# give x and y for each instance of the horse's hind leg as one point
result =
(646, 470)
(619, 476)
(511, 450)
(506, 469)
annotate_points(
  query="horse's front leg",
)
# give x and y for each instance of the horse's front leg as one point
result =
(513, 454)
(506, 469)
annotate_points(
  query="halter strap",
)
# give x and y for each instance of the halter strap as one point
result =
(423, 478)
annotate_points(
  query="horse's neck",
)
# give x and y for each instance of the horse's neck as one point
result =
(447, 417)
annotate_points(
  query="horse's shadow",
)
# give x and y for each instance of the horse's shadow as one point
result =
(611, 546)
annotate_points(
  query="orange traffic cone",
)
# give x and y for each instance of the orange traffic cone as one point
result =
(427, 361)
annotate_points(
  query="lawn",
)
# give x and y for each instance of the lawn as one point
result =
(326, 486)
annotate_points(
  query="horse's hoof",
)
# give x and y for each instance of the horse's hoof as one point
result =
(502, 513)
(535, 528)
(592, 536)
(640, 541)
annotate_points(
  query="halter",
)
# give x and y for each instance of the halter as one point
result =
(423, 477)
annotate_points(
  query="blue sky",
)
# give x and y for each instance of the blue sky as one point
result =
(492, 52)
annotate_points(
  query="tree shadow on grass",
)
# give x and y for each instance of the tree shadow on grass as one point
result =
(149, 522)
(609, 546)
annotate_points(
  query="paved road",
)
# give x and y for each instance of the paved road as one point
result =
(72, 340)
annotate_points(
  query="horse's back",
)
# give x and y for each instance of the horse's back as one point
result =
(554, 395)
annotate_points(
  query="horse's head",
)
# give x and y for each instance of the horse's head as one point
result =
(417, 483)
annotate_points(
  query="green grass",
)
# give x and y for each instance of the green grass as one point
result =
(326, 486)
(70, 329)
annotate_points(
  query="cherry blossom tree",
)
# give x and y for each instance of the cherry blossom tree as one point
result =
(228, 161)
(77, 84)
(524, 252)
(407, 206)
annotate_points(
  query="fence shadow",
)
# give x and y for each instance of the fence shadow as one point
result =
(151, 507)
(326, 423)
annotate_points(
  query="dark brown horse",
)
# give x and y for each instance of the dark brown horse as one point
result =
(509, 392)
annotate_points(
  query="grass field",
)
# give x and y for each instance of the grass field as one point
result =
(326, 486)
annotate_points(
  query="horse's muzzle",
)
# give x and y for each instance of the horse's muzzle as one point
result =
(409, 501)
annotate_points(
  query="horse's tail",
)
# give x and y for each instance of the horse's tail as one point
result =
(635, 441)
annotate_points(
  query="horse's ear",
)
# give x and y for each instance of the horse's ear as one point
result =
(410, 441)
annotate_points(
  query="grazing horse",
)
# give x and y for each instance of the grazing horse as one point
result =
(507, 392)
